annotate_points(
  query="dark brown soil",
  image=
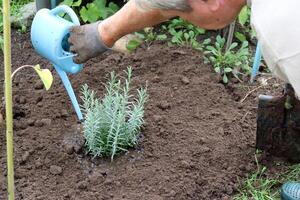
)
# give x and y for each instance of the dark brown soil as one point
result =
(198, 140)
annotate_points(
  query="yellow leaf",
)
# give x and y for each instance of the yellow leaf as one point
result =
(45, 75)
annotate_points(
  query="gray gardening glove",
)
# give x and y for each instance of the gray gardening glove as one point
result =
(85, 42)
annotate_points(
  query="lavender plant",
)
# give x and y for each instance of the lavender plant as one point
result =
(112, 125)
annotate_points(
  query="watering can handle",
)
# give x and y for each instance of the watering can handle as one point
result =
(68, 10)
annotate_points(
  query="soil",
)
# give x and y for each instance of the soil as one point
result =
(198, 140)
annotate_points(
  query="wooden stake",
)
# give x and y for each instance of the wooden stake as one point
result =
(8, 100)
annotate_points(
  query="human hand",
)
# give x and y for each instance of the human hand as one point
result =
(85, 42)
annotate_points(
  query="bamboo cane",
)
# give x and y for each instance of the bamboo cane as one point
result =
(8, 99)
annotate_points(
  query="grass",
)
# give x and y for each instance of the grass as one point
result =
(260, 186)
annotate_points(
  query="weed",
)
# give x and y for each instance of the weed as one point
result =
(149, 35)
(259, 187)
(230, 62)
(112, 124)
(184, 33)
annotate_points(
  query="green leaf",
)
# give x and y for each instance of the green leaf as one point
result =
(192, 34)
(233, 45)
(243, 16)
(240, 36)
(45, 75)
(68, 2)
(218, 70)
(161, 37)
(90, 13)
(132, 45)
(77, 3)
(140, 35)
(201, 31)
(186, 36)
(288, 105)
(114, 7)
(225, 79)
(227, 70)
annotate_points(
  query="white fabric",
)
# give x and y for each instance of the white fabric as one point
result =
(277, 25)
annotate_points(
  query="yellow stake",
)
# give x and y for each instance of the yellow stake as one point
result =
(8, 100)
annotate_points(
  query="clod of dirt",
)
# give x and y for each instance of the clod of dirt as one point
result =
(22, 100)
(220, 131)
(55, 170)
(18, 112)
(156, 79)
(69, 148)
(95, 178)
(157, 118)
(82, 185)
(152, 69)
(20, 125)
(64, 113)
(38, 164)
(38, 123)
(46, 122)
(20, 173)
(185, 80)
(25, 157)
(39, 99)
(74, 141)
(38, 85)
(30, 122)
(164, 105)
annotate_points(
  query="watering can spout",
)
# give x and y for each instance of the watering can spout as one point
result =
(62, 74)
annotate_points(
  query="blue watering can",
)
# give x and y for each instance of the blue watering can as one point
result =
(49, 37)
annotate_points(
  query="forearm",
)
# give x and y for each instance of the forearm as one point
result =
(130, 19)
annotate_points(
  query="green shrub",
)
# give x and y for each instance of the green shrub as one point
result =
(112, 125)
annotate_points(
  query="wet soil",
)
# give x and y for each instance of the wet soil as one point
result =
(198, 140)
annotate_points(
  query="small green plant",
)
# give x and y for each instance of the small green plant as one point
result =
(258, 186)
(231, 62)
(44, 74)
(184, 33)
(148, 35)
(94, 11)
(112, 125)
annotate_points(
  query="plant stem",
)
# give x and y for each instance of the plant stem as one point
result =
(8, 100)
(22, 67)
(230, 35)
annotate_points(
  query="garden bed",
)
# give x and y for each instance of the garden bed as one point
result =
(197, 142)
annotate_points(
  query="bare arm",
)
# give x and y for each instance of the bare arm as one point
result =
(210, 14)
(90, 40)
(130, 19)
